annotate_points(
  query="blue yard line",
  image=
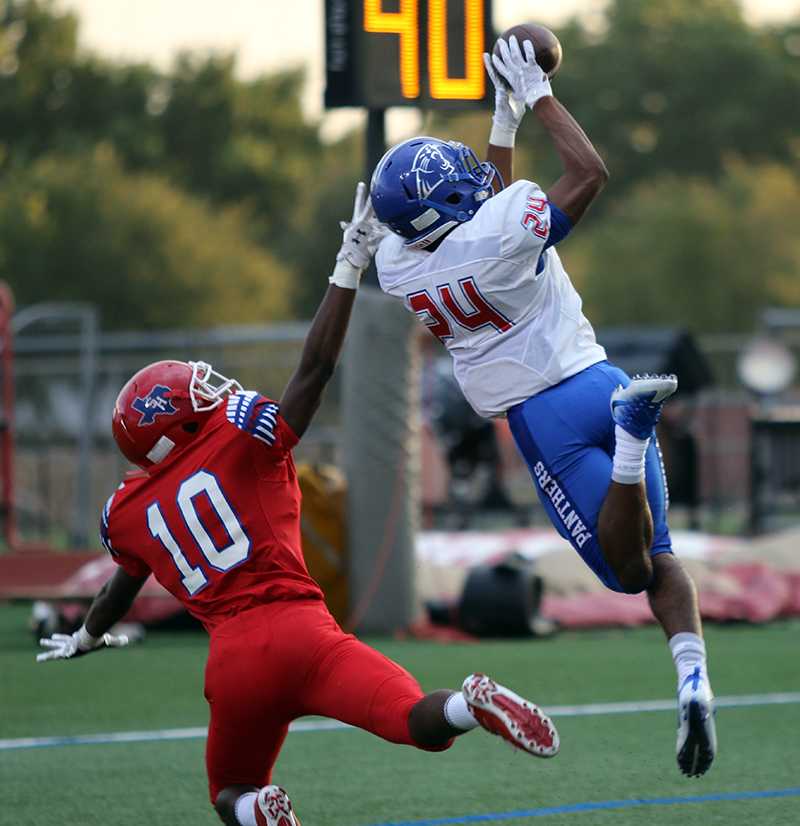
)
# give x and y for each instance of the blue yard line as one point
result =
(311, 725)
(600, 805)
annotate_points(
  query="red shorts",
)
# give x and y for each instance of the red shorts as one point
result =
(284, 660)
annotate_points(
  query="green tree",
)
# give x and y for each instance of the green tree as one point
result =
(692, 253)
(79, 227)
(678, 86)
(667, 86)
(52, 97)
(232, 142)
(240, 141)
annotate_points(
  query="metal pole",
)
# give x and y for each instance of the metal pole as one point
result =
(380, 407)
(376, 140)
(376, 146)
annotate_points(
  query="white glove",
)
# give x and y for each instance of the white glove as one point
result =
(508, 112)
(361, 237)
(66, 646)
(527, 81)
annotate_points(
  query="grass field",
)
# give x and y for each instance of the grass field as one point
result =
(348, 778)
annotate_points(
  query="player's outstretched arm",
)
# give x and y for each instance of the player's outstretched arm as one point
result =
(110, 605)
(585, 174)
(325, 338)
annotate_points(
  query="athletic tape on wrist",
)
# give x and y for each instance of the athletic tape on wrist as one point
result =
(345, 275)
(85, 640)
(502, 136)
(538, 97)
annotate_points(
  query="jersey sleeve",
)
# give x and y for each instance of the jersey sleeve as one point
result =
(524, 217)
(132, 565)
(260, 419)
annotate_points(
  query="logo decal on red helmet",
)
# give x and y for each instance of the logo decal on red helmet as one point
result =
(155, 403)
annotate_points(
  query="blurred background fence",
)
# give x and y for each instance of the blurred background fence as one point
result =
(51, 404)
(62, 477)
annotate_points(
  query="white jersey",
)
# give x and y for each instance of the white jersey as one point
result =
(512, 332)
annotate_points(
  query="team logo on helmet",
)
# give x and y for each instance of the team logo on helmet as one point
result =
(155, 403)
(431, 168)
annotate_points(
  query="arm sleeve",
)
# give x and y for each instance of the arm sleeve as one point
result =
(560, 226)
(132, 565)
(259, 418)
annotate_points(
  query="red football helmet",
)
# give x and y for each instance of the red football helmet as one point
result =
(164, 405)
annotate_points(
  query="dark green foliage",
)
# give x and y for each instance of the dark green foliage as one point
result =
(678, 86)
(77, 226)
(109, 168)
(689, 104)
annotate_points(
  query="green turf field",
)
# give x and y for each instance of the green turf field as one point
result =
(348, 778)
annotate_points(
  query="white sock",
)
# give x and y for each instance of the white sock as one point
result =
(629, 456)
(688, 653)
(246, 809)
(457, 713)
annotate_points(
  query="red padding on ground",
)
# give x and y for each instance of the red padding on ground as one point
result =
(35, 569)
(763, 595)
(76, 576)
(597, 609)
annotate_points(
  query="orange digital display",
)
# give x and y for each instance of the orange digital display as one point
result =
(472, 86)
(426, 53)
(404, 23)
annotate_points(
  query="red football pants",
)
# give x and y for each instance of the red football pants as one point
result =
(284, 660)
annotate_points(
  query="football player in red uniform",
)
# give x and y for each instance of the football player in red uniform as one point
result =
(214, 515)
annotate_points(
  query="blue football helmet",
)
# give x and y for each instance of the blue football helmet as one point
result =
(423, 187)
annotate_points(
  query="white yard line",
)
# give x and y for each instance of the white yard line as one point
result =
(313, 724)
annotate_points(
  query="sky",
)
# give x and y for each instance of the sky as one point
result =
(272, 34)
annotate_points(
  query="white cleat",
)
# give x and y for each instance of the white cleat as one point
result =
(637, 407)
(506, 714)
(273, 808)
(697, 734)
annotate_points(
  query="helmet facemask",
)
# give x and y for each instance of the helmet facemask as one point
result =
(209, 389)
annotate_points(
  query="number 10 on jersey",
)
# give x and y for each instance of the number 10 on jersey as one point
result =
(220, 559)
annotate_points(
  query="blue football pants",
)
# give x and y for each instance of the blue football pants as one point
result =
(566, 436)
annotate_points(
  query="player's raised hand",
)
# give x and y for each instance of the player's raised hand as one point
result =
(67, 646)
(508, 112)
(360, 239)
(362, 233)
(527, 80)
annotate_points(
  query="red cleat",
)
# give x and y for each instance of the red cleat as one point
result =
(273, 808)
(506, 714)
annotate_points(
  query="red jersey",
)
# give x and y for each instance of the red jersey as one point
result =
(218, 522)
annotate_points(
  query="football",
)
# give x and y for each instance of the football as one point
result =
(545, 45)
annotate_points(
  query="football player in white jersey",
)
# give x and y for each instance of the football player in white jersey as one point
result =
(477, 264)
